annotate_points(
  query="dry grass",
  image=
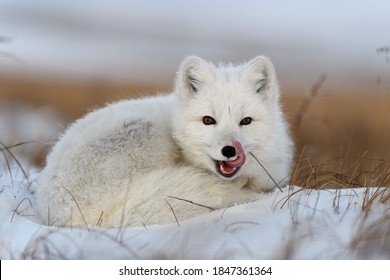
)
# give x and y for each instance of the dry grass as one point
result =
(371, 236)
(341, 142)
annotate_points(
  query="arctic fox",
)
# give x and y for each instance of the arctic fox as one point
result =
(219, 139)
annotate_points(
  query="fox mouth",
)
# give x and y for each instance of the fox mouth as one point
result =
(230, 168)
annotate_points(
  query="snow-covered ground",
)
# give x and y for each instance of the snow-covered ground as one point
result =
(295, 224)
(130, 41)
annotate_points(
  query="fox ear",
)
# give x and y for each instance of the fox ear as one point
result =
(260, 73)
(194, 72)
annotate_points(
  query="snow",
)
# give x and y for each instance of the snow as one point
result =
(126, 40)
(295, 224)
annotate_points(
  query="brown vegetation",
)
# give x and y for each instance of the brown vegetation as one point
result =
(341, 139)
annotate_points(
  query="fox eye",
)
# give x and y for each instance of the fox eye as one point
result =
(246, 121)
(207, 120)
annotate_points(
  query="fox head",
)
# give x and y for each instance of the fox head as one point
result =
(228, 119)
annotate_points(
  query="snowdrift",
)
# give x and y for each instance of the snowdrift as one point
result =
(294, 224)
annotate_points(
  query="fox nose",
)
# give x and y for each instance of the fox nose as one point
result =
(228, 151)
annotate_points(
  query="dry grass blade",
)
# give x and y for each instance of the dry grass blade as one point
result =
(11, 176)
(315, 89)
(6, 150)
(372, 196)
(173, 212)
(78, 207)
(16, 211)
(266, 171)
(16, 145)
(342, 172)
(286, 199)
(194, 203)
(100, 220)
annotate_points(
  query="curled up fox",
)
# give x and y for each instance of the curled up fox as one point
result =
(219, 139)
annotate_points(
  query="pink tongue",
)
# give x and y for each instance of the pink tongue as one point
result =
(240, 156)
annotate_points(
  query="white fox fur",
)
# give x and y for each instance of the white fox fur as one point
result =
(168, 158)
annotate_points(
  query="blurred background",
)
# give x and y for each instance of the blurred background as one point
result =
(60, 59)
